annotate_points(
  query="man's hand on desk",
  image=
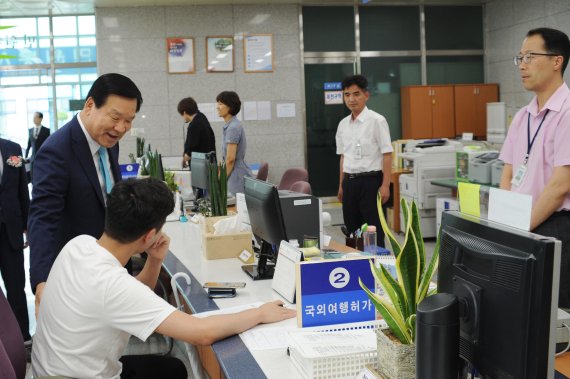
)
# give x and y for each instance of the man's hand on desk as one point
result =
(39, 292)
(275, 311)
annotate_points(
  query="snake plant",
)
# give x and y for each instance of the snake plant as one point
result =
(402, 294)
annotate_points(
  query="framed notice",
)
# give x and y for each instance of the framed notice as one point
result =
(219, 54)
(180, 55)
(258, 52)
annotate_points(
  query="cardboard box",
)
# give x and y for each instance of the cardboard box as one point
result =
(224, 245)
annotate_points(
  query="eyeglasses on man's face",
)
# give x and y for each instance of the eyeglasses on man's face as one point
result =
(526, 58)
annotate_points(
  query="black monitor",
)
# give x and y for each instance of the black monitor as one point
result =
(266, 220)
(200, 171)
(506, 281)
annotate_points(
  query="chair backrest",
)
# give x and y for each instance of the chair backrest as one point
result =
(263, 171)
(12, 341)
(291, 176)
(302, 187)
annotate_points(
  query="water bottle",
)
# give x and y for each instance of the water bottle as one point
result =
(369, 239)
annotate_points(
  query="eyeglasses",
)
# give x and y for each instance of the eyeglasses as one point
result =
(528, 57)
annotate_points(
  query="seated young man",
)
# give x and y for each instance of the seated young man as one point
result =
(91, 305)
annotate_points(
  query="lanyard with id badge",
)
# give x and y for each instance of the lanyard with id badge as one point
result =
(521, 170)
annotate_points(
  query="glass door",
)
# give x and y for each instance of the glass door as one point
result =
(324, 110)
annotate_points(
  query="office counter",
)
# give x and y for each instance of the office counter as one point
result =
(234, 358)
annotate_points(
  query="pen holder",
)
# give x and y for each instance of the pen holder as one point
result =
(355, 243)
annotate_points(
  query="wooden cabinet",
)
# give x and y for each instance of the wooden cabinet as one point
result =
(471, 107)
(427, 112)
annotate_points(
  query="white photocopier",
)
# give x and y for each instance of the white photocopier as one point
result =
(429, 159)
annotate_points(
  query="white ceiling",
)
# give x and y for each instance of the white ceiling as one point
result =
(19, 8)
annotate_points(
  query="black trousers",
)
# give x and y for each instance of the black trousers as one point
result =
(152, 367)
(558, 226)
(359, 203)
(14, 277)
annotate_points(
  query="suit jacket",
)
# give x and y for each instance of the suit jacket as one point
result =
(200, 137)
(36, 143)
(67, 199)
(14, 195)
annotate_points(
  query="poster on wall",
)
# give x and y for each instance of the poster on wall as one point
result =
(180, 55)
(258, 52)
(219, 54)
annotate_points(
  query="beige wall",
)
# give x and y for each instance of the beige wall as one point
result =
(132, 41)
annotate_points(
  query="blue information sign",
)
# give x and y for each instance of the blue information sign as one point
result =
(332, 86)
(129, 170)
(330, 293)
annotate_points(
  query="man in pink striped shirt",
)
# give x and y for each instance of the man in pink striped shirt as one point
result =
(536, 152)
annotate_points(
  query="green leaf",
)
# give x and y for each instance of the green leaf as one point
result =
(418, 233)
(411, 325)
(428, 274)
(405, 210)
(396, 248)
(391, 288)
(396, 324)
(408, 269)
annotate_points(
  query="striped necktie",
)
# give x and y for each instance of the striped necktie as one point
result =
(105, 169)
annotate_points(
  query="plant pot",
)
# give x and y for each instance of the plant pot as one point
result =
(395, 360)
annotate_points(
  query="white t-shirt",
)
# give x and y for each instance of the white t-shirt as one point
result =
(90, 307)
(371, 131)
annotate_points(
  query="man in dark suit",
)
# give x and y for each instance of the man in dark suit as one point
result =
(14, 205)
(75, 169)
(200, 137)
(36, 137)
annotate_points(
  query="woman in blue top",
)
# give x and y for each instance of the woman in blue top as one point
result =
(234, 143)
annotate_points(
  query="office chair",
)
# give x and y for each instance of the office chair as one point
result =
(302, 187)
(12, 351)
(263, 171)
(291, 176)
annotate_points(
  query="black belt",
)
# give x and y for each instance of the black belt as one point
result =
(361, 174)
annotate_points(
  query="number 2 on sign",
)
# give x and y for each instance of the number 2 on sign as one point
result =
(339, 277)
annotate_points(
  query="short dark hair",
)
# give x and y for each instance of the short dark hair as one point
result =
(555, 41)
(114, 84)
(359, 80)
(231, 100)
(187, 105)
(40, 115)
(136, 206)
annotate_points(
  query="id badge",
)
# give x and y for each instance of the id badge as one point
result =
(519, 175)
(358, 151)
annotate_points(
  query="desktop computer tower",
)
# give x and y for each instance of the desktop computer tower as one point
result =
(302, 215)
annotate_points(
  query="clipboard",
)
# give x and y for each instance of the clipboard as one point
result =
(285, 270)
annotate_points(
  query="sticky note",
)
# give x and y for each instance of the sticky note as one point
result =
(469, 198)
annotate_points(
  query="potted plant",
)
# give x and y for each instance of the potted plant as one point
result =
(396, 349)
(218, 188)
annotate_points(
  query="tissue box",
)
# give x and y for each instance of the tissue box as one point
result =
(224, 245)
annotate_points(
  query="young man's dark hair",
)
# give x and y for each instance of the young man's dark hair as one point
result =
(40, 115)
(135, 206)
(187, 105)
(555, 42)
(359, 80)
(231, 100)
(114, 84)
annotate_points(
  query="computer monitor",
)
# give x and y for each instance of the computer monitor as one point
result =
(506, 281)
(200, 171)
(266, 219)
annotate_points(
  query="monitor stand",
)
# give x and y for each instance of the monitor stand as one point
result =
(262, 270)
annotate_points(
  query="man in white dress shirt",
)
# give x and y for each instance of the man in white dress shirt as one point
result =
(363, 143)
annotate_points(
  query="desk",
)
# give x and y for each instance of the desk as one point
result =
(235, 360)
(453, 183)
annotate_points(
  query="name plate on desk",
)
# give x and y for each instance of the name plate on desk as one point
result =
(328, 292)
